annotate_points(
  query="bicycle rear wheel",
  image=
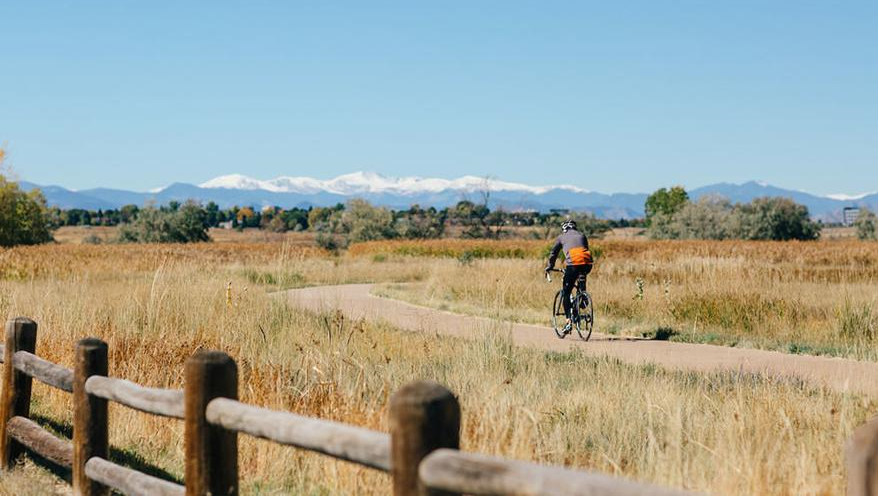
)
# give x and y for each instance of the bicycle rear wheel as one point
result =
(584, 315)
(559, 319)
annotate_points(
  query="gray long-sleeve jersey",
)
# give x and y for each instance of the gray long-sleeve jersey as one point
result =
(575, 246)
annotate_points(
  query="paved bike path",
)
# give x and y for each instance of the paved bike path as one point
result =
(356, 301)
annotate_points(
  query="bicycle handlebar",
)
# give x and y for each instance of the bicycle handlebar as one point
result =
(549, 273)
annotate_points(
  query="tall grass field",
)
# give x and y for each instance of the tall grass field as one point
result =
(721, 433)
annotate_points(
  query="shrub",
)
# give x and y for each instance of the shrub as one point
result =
(418, 223)
(185, 224)
(24, 217)
(277, 224)
(361, 221)
(779, 219)
(355, 222)
(867, 225)
(327, 242)
(320, 218)
(708, 218)
(661, 226)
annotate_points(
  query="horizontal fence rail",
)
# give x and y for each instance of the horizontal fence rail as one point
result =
(44, 371)
(471, 473)
(163, 402)
(335, 439)
(129, 481)
(40, 441)
(421, 452)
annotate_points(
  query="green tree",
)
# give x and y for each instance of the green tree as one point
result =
(128, 213)
(590, 225)
(473, 218)
(361, 221)
(295, 219)
(24, 217)
(185, 224)
(418, 223)
(867, 225)
(666, 202)
(276, 224)
(708, 218)
(319, 218)
(778, 219)
(213, 214)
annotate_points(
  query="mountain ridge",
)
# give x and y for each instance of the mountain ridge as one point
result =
(400, 193)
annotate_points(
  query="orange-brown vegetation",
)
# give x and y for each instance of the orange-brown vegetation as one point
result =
(156, 304)
(811, 297)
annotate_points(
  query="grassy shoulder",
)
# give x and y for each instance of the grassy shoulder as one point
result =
(718, 433)
(815, 298)
(417, 294)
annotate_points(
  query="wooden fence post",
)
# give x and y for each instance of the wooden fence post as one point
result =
(90, 436)
(862, 460)
(424, 416)
(21, 335)
(211, 451)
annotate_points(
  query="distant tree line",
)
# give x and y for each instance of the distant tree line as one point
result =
(336, 226)
(670, 214)
(358, 221)
(242, 217)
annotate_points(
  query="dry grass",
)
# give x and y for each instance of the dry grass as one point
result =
(156, 305)
(85, 234)
(64, 261)
(818, 298)
(31, 480)
(455, 248)
(254, 235)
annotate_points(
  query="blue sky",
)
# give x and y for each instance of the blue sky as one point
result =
(610, 96)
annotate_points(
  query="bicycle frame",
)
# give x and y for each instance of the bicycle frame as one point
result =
(576, 294)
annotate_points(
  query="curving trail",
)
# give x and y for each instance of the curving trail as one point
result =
(356, 301)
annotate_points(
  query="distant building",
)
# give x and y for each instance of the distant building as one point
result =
(849, 215)
(226, 225)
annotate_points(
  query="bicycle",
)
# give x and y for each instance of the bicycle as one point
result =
(581, 310)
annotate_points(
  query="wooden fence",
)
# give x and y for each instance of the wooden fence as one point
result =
(421, 452)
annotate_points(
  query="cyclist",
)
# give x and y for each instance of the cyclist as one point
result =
(578, 260)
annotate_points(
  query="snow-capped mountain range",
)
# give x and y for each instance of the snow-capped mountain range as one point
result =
(359, 183)
(288, 192)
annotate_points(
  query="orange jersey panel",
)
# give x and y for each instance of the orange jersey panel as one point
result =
(580, 256)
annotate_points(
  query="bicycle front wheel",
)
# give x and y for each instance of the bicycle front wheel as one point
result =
(559, 319)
